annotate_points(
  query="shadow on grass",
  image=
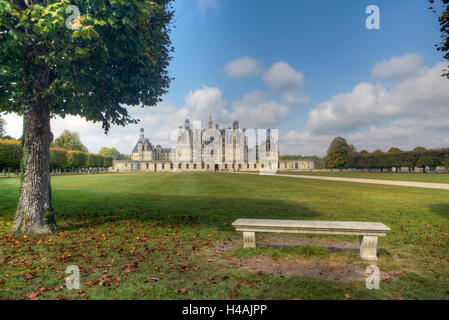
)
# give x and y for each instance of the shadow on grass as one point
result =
(168, 210)
(441, 209)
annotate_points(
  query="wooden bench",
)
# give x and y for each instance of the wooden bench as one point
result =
(367, 231)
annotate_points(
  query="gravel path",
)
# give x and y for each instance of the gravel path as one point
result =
(426, 185)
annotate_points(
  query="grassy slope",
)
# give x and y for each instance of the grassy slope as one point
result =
(417, 177)
(129, 228)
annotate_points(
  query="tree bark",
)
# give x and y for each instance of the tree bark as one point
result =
(34, 213)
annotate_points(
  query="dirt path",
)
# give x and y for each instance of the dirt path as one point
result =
(426, 185)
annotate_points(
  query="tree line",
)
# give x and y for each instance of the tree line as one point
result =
(341, 155)
(319, 163)
(61, 160)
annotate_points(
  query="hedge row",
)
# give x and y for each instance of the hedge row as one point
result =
(11, 155)
(415, 159)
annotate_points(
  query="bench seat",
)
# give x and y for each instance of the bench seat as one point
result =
(367, 231)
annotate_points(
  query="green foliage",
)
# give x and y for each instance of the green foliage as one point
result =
(443, 19)
(2, 128)
(394, 150)
(91, 160)
(112, 152)
(69, 141)
(319, 162)
(118, 56)
(10, 153)
(338, 153)
(419, 158)
(76, 159)
(58, 158)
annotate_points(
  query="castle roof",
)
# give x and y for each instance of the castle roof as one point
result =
(145, 145)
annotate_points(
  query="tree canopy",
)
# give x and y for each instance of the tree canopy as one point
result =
(443, 19)
(69, 141)
(118, 56)
(2, 128)
(338, 153)
(113, 153)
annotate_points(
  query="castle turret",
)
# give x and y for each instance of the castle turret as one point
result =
(210, 122)
(235, 125)
(142, 135)
(187, 124)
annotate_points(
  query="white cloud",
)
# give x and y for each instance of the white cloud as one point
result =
(414, 111)
(282, 77)
(398, 68)
(201, 103)
(243, 67)
(206, 5)
(255, 110)
(424, 97)
(304, 143)
(295, 99)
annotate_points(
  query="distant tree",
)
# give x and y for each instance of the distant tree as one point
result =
(116, 54)
(443, 19)
(378, 152)
(364, 152)
(394, 150)
(2, 128)
(420, 149)
(338, 153)
(112, 152)
(69, 141)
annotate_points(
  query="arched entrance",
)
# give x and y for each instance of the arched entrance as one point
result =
(216, 167)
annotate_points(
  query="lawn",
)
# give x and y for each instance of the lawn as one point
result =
(416, 177)
(154, 236)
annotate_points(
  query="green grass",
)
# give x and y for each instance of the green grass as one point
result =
(151, 236)
(416, 177)
(306, 251)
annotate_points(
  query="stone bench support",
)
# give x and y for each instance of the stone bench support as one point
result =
(368, 232)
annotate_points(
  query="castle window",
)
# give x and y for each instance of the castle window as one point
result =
(148, 165)
(202, 165)
(296, 165)
(233, 165)
(255, 166)
(263, 166)
(279, 165)
(194, 166)
(240, 166)
(187, 166)
(207, 166)
(179, 165)
(163, 166)
(226, 165)
(285, 165)
(247, 166)
(171, 165)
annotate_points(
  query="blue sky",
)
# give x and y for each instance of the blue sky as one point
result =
(309, 68)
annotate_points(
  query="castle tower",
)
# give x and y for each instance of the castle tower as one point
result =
(210, 122)
(235, 125)
(142, 135)
(187, 124)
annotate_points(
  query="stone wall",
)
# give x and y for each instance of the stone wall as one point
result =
(162, 166)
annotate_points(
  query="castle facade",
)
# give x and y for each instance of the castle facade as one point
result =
(211, 149)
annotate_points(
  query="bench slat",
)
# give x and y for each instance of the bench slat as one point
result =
(299, 226)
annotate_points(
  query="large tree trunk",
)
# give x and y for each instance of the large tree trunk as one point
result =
(34, 213)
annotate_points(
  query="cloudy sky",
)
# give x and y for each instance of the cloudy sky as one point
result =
(309, 68)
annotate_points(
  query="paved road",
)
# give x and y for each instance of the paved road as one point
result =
(426, 185)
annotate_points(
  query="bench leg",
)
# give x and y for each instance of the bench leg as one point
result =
(249, 239)
(368, 248)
